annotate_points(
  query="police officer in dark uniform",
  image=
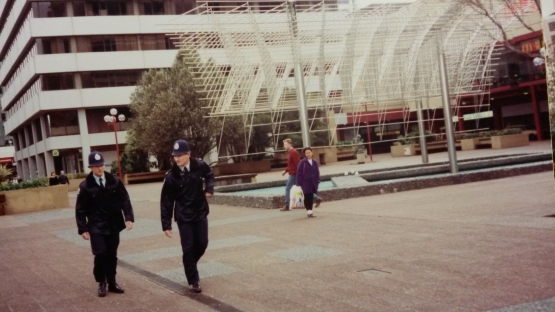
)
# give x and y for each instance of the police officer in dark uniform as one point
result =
(103, 210)
(183, 192)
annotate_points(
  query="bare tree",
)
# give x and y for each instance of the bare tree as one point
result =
(515, 7)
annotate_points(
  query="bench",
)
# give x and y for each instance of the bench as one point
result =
(436, 146)
(235, 179)
(476, 143)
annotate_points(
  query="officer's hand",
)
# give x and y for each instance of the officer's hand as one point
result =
(86, 236)
(129, 225)
(208, 195)
(168, 233)
(283, 173)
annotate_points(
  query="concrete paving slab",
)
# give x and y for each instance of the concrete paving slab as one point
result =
(473, 247)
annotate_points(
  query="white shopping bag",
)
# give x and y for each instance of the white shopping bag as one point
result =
(297, 197)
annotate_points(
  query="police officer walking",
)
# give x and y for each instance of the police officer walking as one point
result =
(183, 192)
(103, 210)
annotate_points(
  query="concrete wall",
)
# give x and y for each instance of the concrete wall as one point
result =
(36, 199)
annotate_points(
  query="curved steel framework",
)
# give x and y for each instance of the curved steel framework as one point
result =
(364, 60)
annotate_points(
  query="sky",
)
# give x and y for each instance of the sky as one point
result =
(548, 7)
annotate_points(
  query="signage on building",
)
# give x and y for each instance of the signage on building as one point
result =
(531, 45)
(55, 153)
(479, 115)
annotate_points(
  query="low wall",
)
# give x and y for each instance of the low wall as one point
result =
(36, 199)
(74, 184)
(508, 141)
(402, 150)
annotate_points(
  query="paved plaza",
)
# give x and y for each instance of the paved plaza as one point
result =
(472, 247)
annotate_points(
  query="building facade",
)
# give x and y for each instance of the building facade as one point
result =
(65, 64)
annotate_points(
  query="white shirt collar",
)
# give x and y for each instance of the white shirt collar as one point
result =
(188, 167)
(310, 161)
(97, 179)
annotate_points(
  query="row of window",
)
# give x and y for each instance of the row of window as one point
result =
(61, 123)
(55, 45)
(110, 7)
(97, 79)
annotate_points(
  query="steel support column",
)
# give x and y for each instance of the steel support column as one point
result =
(299, 74)
(536, 109)
(447, 113)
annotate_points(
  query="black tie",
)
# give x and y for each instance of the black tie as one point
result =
(101, 184)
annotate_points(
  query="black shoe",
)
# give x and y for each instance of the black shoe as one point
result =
(195, 287)
(102, 289)
(114, 287)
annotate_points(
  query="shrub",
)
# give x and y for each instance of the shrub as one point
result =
(486, 134)
(39, 182)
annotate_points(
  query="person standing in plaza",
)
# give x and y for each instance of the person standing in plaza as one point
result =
(102, 211)
(183, 192)
(53, 180)
(293, 159)
(63, 178)
(308, 178)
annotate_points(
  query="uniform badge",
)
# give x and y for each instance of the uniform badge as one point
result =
(176, 146)
(97, 157)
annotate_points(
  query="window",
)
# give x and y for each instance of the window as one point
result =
(103, 43)
(95, 116)
(57, 82)
(38, 129)
(552, 26)
(62, 123)
(79, 8)
(49, 9)
(53, 45)
(153, 42)
(104, 8)
(126, 43)
(151, 7)
(16, 141)
(29, 131)
(182, 6)
(110, 78)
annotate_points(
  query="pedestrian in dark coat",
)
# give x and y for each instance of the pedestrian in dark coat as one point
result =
(103, 209)
(183, 193)
(63, 178)
(53, 180)
(308, 178)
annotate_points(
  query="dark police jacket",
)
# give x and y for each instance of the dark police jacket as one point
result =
(183, 194)
(101, 211)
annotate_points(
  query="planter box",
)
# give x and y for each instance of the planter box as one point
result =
(508, 141)
(469, 144)
(361, 158)
(36, 199)
(403, 150)
(325, 155)
(243, 167)
(347, 152)
(74, 184)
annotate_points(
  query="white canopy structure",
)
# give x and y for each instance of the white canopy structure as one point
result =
(371, 59)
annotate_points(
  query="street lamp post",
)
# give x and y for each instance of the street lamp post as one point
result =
(112, 121)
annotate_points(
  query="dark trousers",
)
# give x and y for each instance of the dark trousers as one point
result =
(308, 200)
(194, 241)
(105, 251)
